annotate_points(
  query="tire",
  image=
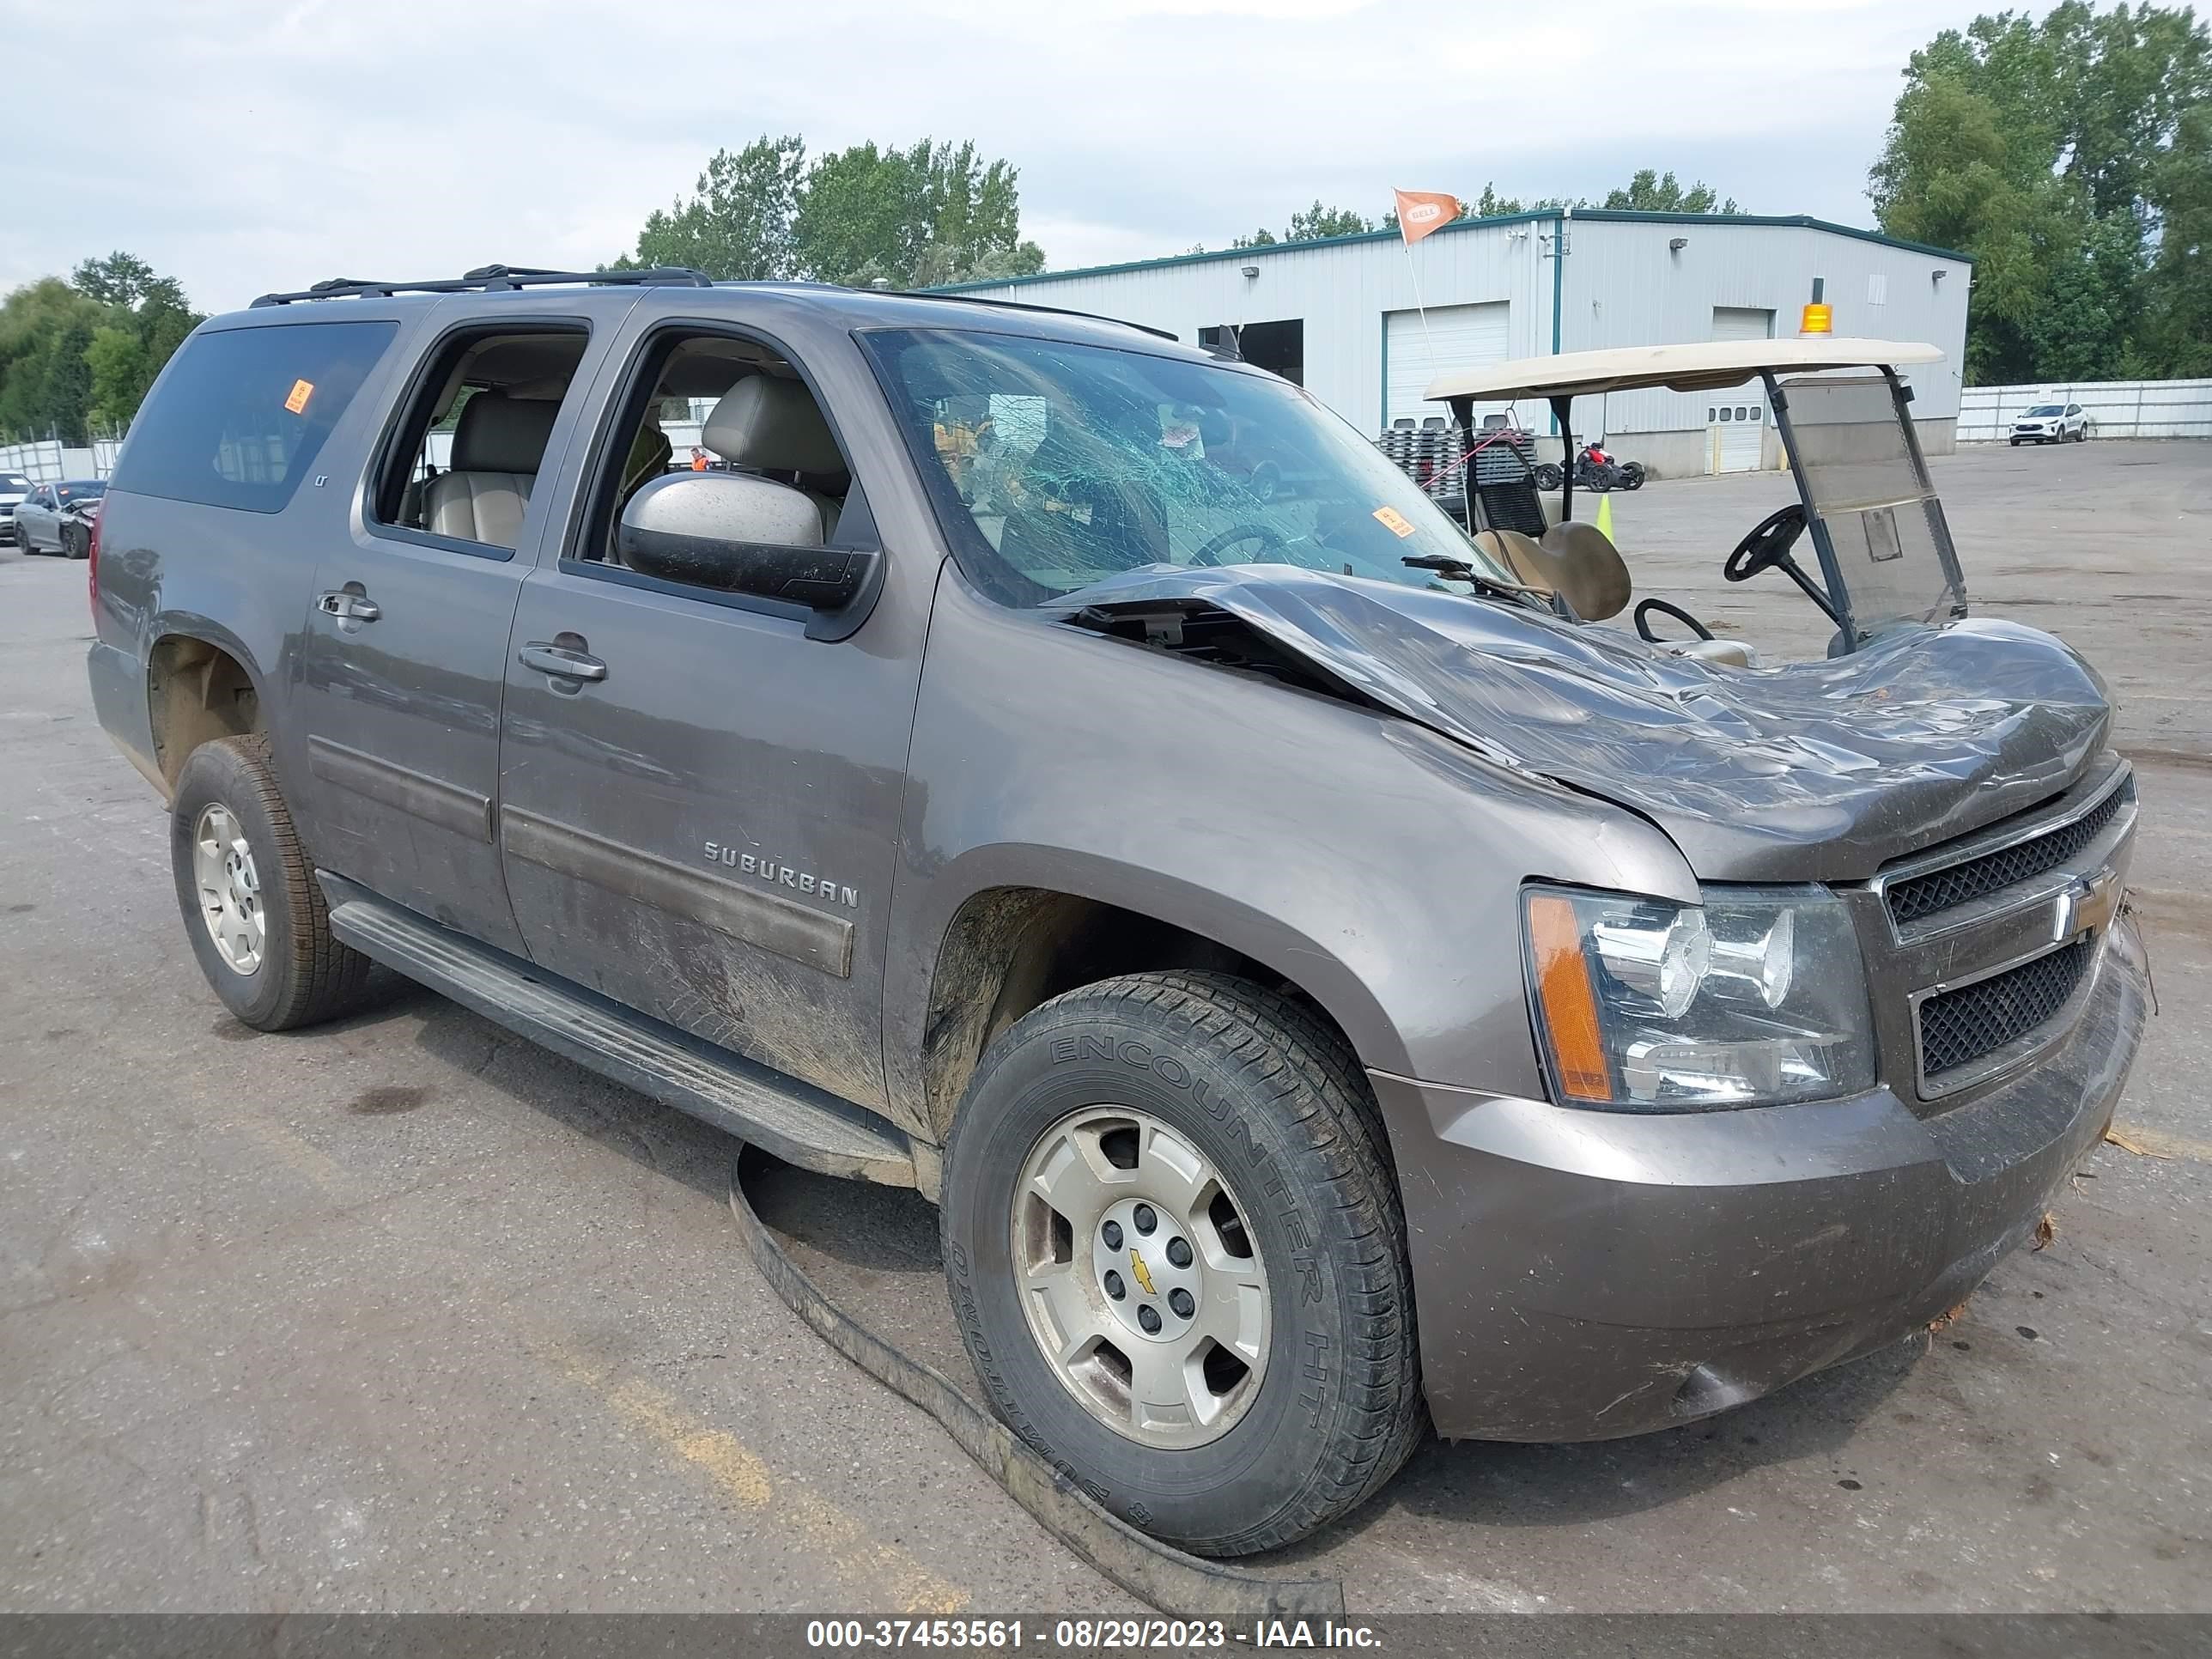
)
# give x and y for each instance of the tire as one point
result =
(76, 547)
(1631, 476)
(1277, 1110)
(2015, 443)
(1547, 477)
(301, 975)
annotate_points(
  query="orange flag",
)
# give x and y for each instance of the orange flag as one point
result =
(1420, 211)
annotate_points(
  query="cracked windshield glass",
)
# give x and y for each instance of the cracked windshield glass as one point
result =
(1058, 466)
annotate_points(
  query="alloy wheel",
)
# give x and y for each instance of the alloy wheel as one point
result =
(229, 887)
(1139, 1278)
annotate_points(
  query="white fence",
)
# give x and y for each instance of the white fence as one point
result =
(2117, 409)
(50, 462)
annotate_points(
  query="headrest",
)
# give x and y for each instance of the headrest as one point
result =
(499, 434)
(773, 425)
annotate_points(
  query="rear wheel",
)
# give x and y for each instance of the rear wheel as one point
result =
(1177, 1256)
(253, 908)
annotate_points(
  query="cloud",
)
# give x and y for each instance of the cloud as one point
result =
(255, 146)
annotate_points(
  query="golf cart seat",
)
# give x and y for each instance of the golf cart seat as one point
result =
(1579, 563)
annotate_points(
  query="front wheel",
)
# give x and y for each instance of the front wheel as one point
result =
(1176, 1253)
(1547, 477)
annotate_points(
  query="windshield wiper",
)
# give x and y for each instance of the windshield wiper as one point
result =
(1458, 570)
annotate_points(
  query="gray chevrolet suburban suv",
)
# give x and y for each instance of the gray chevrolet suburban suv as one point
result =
(1327, 987)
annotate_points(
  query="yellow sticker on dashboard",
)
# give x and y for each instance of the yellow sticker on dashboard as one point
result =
(1395, 521)
(301, 390)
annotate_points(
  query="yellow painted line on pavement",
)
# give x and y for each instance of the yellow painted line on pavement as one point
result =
(2157, 1143)
(849, 1547)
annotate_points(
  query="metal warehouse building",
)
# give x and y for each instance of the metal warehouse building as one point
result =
(1339, 316)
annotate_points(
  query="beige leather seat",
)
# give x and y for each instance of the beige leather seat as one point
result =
(770, 425)
(1579, 561)
(497, 446)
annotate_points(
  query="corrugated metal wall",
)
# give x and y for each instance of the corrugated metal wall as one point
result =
(1622, 285)
(2119, 409)
(1625, 286)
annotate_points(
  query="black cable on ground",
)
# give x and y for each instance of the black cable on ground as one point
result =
(1180, 1585)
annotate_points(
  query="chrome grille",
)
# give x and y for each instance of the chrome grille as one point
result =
(1916, 897)
(1959, 1027)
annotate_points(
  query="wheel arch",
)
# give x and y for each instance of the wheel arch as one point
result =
(1012, 943)
(202, 684)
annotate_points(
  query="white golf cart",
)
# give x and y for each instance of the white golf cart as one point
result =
(1885, 552)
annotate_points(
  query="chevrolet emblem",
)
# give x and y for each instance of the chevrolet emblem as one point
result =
(1144, 1275)
(2086, 906)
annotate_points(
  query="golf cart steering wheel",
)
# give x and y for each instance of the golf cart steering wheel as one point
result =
(1212, 552)
(1767, 545)
(1644, 624)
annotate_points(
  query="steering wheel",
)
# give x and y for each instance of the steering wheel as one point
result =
(1211, 553)
(1643, 626)
(1767, 545)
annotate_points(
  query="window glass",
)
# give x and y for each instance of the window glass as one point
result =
(13, 481)
(1727, 414)
(1055, 465)
(240, 414)
(463, 460)
(2044, 408)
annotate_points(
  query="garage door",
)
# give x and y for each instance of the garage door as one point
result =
(1735, 431)
(1458, 336)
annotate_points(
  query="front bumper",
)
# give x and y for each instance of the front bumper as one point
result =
(1581, 1275)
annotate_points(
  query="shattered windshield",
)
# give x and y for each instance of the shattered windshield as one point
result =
(1056, 466)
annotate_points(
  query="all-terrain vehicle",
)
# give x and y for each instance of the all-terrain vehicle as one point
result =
(1329, 981)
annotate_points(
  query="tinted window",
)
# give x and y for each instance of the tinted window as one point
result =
(240, 414)
(13, 481)
(81, 489)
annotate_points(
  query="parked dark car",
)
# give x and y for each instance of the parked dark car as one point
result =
(42, 520)
(1327, 986)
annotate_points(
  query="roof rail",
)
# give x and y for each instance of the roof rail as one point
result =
(490, 278)
(1049, 311)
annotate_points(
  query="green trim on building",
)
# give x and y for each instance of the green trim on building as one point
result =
(1603, 216)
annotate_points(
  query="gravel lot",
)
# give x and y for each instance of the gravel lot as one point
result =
(403, 1314)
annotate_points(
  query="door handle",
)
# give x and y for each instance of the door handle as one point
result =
(348, 604)
(560, 661)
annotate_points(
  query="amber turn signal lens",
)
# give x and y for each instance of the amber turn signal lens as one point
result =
(1569, 1005)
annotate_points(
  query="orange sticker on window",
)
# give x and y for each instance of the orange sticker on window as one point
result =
(1395, 521)
(301, 390)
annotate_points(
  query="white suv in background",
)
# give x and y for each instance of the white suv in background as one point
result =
(2051, 423)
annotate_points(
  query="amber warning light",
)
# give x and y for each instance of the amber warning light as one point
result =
(1819, 318)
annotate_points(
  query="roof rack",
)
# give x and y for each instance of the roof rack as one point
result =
(490, 278)
(1049, 311)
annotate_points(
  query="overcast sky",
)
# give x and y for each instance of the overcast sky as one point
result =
(247, 146)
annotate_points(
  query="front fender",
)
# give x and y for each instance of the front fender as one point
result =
(1371, 862)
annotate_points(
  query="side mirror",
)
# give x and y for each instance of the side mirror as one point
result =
(739, 534)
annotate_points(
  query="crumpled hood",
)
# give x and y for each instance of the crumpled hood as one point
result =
(1808, 771)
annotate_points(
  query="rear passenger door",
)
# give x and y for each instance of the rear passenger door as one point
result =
(403, 655)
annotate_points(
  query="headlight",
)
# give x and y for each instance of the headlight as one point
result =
(1755, 998)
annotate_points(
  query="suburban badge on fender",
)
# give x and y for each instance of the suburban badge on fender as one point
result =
(774, 873)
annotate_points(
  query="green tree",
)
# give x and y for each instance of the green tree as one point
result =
(45, 384)
(2052, 151)
(1262, 237)
(737, 225)
(929, 214)
(1316, 221)
(1648, 191)
(121, 279)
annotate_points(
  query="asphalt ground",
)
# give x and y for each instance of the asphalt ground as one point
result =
(403, 1314)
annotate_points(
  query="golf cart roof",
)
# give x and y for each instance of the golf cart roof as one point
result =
(1704, 365)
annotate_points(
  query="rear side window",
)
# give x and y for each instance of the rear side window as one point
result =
(241, 413)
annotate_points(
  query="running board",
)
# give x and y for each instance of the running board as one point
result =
(791, 1120)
